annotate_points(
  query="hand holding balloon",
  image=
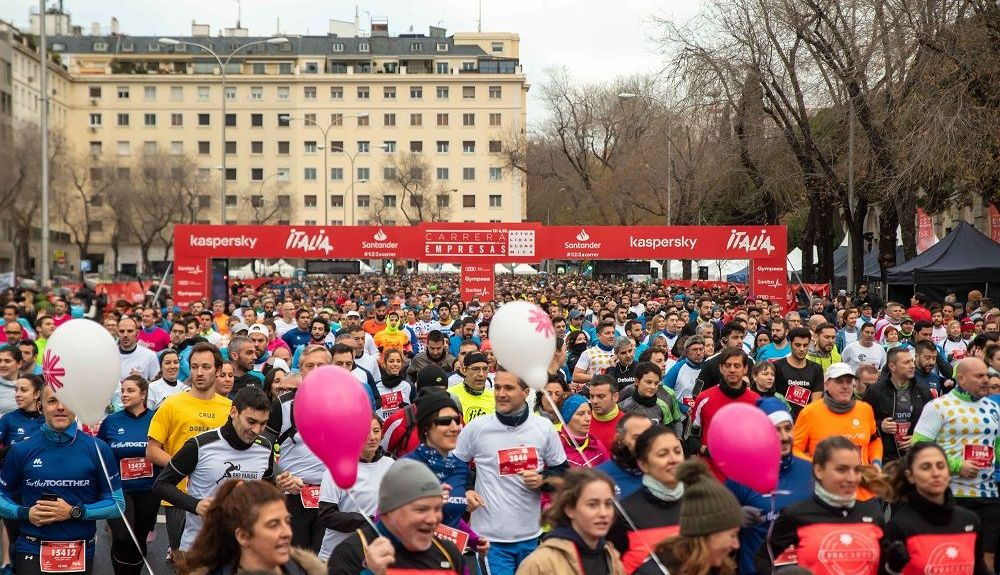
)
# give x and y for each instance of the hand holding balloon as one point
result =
(524, 341)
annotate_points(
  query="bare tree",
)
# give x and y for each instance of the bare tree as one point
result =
(155, 202)
(77, 202)
(413, 187)
(265, 203)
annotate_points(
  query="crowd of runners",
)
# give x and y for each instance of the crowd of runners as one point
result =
(887, 414)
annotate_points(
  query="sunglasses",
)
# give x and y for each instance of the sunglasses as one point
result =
(447, 420)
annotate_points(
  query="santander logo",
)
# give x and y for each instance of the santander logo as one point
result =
(582, 242)
(300, 240)
(380, 242)
(583, 235)
(380, 236)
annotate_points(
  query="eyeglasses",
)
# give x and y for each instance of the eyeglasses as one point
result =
(447, 420)
(12, 332)
(477, 369)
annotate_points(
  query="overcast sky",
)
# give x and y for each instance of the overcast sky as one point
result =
(594, 39)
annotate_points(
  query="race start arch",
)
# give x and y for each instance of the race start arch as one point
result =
(478, 247)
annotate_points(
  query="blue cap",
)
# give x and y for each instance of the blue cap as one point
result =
(775, 409)
(570, 405)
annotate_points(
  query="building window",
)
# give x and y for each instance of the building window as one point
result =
(389, 146)
(284, 201)
(256, 92)
(468, 201)
(442, 119)
(283, 92)
(495, 92)
(468, 92)
(204, 201)
(95, 120)
(364, 174)
(309, 147)
(176, 93)
(310, 119)
(177, 119)
(231, 120)
(203, 93)
(337, 47)
(309, 92)
(389, 173)
(284, 174)
(442, 174)
(284, 121)
(149, 92)
(176, 148)
(336, 92)
(469, 147)
(416, 47)
(363, 146)
(496, 146)
(337, 201)
(389, 119)
(256, 174)
(442, 92)
(496, 174)
(122, 92)
(389, 201)
(149, 120)
(468, 174)
(231, 147)
(337, 174)
(416, 119)
(285, 67)
(256, 201)
(443, 200)
(442, 146)
(231, 200)
(257, 120)
(416, 92)
(416, 146)
(123, 119)
(309, 200)
(257, 147)
(441, 46)
(204, 148)
(364, 93)
(494, 118)
(363, 47)
(95, 148)
(312, 68)
(363, 121)
(204, 120)
(468, 66)
(441, 68)
(336, 119)
(95, 91)
(336, 146)
(469, 119)
(258, 68)
(389, 92)
(309, 174)
(496, 201)
(231, 174)
(284, 148)
(231, 93)
(364, 201)
(496, 47)
(124, 148)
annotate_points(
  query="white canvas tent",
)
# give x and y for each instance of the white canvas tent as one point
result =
(501, 269)
(280, 267)
(242, 273)
(524, 270)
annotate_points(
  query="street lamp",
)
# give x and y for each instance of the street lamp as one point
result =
(222, 67)
(351, 158)
(326, 169)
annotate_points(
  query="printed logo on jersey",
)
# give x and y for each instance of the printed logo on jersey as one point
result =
(233, 472)
(37, 462)
(845, 552)
(947, 559)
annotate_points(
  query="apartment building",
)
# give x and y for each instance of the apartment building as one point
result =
(315, 126)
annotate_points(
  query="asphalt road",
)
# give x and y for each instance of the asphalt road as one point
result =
(156, 555)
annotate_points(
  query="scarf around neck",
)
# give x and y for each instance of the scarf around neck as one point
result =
(603, 347)
(835, 501)
(514, 419)
(838, 407)
(661, 491)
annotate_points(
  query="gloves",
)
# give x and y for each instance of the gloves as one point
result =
(896, 556)
(751, 516)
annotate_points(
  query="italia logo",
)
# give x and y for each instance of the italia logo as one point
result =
(300, 240)
(845, 552)
(52, 370)
(739, 240)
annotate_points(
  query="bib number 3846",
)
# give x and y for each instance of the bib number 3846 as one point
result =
(517, 459)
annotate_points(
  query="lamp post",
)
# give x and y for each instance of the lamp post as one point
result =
(222, 68)
(351, 158)
(326, 168)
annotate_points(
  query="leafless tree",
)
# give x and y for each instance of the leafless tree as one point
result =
(414, 189)
(78, 201)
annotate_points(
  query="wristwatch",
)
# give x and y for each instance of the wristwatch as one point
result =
(76, 512)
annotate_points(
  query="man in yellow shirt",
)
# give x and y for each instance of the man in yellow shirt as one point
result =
(473, 397)
(184, 415)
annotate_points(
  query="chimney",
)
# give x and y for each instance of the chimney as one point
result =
(95, 28)
(200, 30)
(114, 26)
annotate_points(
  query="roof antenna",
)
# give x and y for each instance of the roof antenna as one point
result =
(480, 25)
(239, 13)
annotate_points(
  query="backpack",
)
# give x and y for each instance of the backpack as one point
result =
(398, 449)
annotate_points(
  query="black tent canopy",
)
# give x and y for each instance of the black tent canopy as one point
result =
(965, 258)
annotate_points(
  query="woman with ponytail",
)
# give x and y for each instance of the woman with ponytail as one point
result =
(928, 533)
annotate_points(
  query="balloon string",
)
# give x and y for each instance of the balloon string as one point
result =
(618, 505)
(121, 509)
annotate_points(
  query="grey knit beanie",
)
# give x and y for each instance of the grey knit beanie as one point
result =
(707, 506)
(406, 481)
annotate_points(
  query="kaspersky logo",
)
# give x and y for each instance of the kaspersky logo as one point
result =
(582, 242)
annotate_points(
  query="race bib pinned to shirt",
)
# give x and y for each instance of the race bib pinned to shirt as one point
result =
(457, 536)
(310, 496)
(62, 556)
(979, 455)
(517, 459)
(798, 395)
(136, 468)
(391, 401)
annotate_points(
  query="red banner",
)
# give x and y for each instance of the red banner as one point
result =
(994, 223)
(310, 242)
(190, 279)
(768, 278)
(663, 242)
(510, 243)
(925, 231)
(477, 282)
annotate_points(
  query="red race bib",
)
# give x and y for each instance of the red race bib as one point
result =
(902, 430)
(798, 395)
(517, 459)
(642, 542)
(392, 400)
(62, 556)
(689, 402)
(788, 557)
(979, 455)
(457, 536)
(310, 496)
(135, 468)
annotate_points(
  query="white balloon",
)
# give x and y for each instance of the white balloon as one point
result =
(82, 365)
(524, 341)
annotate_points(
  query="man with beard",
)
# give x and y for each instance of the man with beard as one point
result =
(376, 324)
(897, 401)
(732, 337)
(604, 405)
(445, 323)
(672, 331)
(704, 316)
(926, 372)
(465, 332)
(683, 376)
(796, 378)
(795, 483)
(299, 335)
(242, 356)
(734, 365)
(779, 347)
(184, 415)
(622, 468)
(623, 371)
(824, 350)
(435, 354)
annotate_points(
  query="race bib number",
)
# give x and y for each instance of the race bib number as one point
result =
(902, 430)
(136, 468)
(62, 556)
(310, 496)
(979, 455)
(798, 395)
(392, 401)
(457, 536)
(689, 402)
(789, 556)
(517, 459)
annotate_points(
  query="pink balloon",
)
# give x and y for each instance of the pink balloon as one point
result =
(333, 414)
(744, 444)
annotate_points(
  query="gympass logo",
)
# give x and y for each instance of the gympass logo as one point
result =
(300, 240)
(740, 240)
(582, 242)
